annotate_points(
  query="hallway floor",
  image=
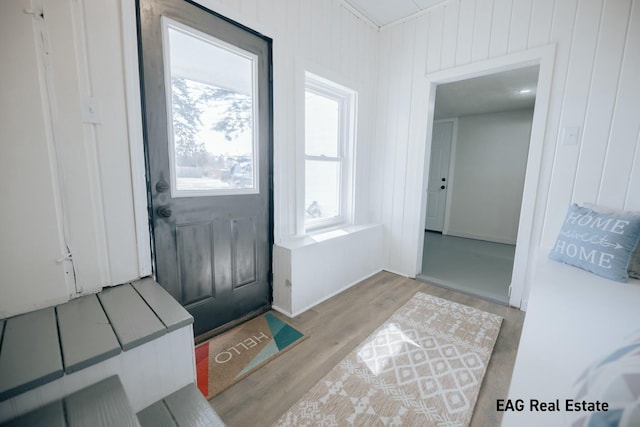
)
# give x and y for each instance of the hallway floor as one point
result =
(470, 266)
(339, 324)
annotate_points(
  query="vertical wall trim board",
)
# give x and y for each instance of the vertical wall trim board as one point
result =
(134, 131)
(544, 23)
(441, 36)
(512, 10)
(520, 23)
(500, 28)
(604, 63)
(299, 146)
(377, 190)
(588, 105)
(493, 6)
(457, 35)
(530, 21)
(562, 35)
(481, 39)
(390, 135)
(636, 159)
(417, 132)
(615, 105)
(410, 78)
(433, 35)
(619, 166)
(556, 134)
(47, 96)
(85, 89)
(553, 14)
(465, 32)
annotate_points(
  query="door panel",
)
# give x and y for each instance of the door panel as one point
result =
(438, 175)
(207, 101)
(243, 251)
(195, 267)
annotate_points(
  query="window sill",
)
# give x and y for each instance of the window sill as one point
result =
(325, 234)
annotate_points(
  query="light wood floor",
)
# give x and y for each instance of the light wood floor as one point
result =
(336, 327)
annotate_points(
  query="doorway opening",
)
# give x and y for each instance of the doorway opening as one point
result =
(479, 153)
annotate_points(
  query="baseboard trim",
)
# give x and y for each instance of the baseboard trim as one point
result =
(282, 311)
(494, 239)
(390, 270)
(339, 291)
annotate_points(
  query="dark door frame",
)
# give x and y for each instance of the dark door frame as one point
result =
(270, 154)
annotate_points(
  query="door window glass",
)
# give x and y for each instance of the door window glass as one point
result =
(212, 105)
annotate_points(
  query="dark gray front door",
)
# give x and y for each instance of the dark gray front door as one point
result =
(207, 101)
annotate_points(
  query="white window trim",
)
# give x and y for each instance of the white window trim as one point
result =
(347, 99)
(168, 23)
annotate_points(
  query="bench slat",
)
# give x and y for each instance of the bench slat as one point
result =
(170, 312)
(133, 321)
(103, 404)
(156, 415)
(190, 409)
(51, 415)
(30, 353)
(85, 333)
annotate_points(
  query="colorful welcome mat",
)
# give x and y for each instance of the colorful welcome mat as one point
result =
(229, 357)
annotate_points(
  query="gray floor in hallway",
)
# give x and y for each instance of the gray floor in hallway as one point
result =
(470, 266)
(335, 327)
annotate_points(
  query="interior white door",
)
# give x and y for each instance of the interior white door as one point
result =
(439, 175)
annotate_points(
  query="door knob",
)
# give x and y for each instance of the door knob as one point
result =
(164, 211)
(442, 187)
(162, 186)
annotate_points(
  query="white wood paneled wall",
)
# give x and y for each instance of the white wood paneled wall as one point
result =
(334, 42)
(71, 51)
(93, 54)
(328, 35)
(595, 87)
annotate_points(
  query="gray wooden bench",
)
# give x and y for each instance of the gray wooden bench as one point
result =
(102, 404)
(184, 408)
(41, 350)
(105, 404)
(43, 345)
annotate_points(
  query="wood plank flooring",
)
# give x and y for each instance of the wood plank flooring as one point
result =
(336, 327)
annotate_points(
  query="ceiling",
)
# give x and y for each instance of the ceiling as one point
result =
(487, 94)
(385, 12)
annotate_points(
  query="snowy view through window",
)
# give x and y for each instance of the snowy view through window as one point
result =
(322, 153)
(212, 109)
(213, 136)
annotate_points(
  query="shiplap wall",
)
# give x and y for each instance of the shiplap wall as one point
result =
(334, 42)
(93, 55)
(329, 39)
(595, 87)
(21, 92)
(70, 53)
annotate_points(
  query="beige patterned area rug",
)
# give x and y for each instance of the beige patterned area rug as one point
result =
(422, 367)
